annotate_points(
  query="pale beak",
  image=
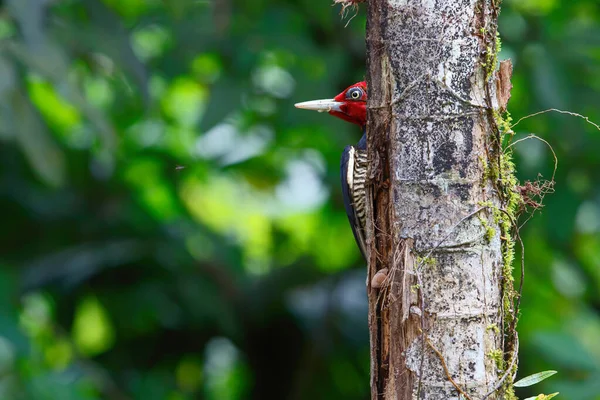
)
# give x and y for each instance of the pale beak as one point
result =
(325, 105)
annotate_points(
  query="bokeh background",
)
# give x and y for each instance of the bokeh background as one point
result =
(172, 228)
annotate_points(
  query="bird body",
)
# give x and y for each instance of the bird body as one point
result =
(354, 176)
(350, 105)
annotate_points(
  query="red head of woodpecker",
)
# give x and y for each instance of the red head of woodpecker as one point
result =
(351, 106)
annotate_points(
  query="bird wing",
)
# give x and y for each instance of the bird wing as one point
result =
(347, 172)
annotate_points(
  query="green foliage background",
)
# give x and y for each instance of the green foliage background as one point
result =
(172, 228)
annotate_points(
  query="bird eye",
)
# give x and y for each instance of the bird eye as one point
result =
(355, 94)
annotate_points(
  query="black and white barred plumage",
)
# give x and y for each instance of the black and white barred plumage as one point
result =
(354, 176)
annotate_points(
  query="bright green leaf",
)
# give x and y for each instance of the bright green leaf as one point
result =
(44, 156)
(93, 332)
(57, 112)
(185, 101)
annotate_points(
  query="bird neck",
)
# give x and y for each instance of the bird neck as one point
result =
(362, 143)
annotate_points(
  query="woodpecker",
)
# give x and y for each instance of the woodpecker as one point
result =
(351, 106)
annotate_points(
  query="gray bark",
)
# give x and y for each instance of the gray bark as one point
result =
(437, 320)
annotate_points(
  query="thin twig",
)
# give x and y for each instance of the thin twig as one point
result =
(586, 119)
(441, 357)
(534, 136)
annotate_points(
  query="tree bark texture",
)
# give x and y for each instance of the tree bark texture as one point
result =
(437, 324)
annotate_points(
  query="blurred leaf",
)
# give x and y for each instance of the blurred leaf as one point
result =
(59, 354)
(46, 159)
(52, 64)
(189, 374)
(185, 101)
(225, 371)
(36, 316)
(207, 67)
(57, 113)
(93, 332)
(130, 8)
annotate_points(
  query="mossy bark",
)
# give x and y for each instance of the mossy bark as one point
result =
(437, 323)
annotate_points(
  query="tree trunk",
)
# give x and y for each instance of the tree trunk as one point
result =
(441, 322)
